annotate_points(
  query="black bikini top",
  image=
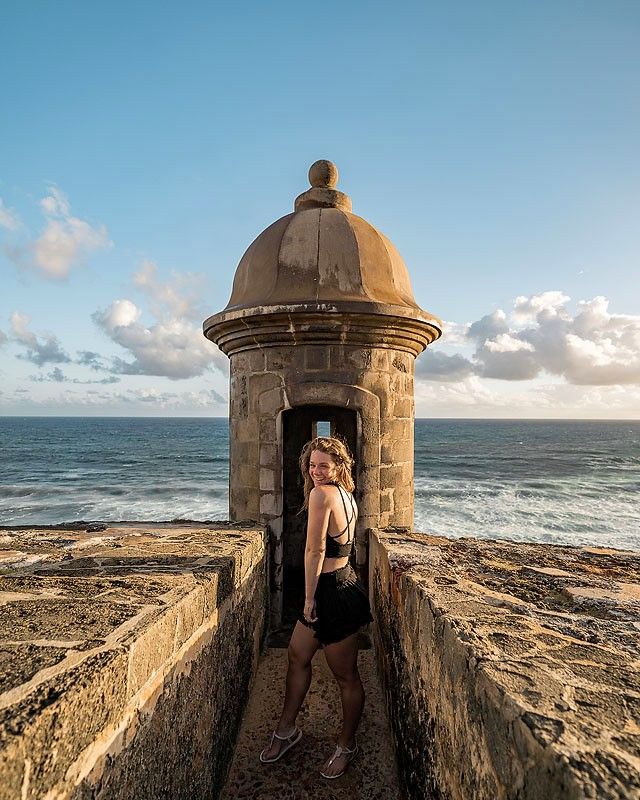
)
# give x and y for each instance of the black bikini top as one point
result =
(333, 548)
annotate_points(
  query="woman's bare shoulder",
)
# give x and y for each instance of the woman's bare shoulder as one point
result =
(324, 493)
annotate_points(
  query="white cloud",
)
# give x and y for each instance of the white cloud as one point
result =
(19, 327)
(488, 327)
(120, 314)
(8, 217)
(87, 358)
(172, 346)
(434, 365)
(506, 358)
(541, 335)
(506, 365)
(477, 397)
(475, 393)
(100, 400)
(55, 204)
(614, 400)
(593, 347)
(504, 343)
(40, 351)
(179, 297)
(65, 242)
(454, 334)
(547, 303)
(58, 376)
(202, 399)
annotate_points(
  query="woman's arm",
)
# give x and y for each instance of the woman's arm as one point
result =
(318, 522)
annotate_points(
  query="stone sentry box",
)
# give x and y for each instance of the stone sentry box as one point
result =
(321, 327)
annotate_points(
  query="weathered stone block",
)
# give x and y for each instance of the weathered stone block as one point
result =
(402, 517)
(264, 381)
(316, 357)
(380, 359)
(257, 360)
(376, 381)
(402, 362)
(277, 358)
(253, 452)
(239, 363)
(392, 429)
(297, 362)
(243, 502)
(268, 504)
(244, 430)
(398, 384)
(403, 407)
(266, 480)
(268, 455)
(385, 519)
(239, 398)
(396, 451)
(240, 451)
(271, 402)
(267, 429)
(358, 358)
(403, 496)
(246, 475)
(391, 476)
(386, 500)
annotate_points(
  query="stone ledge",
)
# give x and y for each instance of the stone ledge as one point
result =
(99, 629)
(511, 669)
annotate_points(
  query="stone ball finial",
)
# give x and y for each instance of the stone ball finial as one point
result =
(323, 174)
(323, 177)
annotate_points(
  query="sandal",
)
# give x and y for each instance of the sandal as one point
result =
(293, 738)
(344, 752)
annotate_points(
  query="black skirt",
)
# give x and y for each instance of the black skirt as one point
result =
(342, 606)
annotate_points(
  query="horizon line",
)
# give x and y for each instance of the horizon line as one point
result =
(421, 419)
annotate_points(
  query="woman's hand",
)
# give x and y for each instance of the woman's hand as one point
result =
(309, 612)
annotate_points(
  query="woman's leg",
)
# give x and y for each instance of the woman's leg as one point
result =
(302, 648)
(342, 658)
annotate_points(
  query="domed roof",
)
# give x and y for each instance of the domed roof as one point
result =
(320, 266)
(321, 253)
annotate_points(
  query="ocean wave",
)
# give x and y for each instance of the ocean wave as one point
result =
(556, 482)
(514, 514)
(110, 509)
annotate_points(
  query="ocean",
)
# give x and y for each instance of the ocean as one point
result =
(561, 482)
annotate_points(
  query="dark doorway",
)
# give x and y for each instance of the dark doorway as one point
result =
(299, 425)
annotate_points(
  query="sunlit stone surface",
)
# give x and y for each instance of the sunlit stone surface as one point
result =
(129, 656)
(126, 658)
(512, 670)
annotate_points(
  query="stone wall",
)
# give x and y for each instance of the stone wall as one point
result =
(375, 381)
(126, 659)
(511, 669)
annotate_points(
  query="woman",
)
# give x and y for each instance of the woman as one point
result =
(335, 606)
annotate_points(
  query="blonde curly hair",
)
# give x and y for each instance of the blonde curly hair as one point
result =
(341, 456)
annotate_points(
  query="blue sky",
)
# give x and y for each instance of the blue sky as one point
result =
(145, 145)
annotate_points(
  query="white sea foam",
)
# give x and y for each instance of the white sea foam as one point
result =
(568, 483)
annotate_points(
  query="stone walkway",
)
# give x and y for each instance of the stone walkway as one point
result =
(372, 775)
